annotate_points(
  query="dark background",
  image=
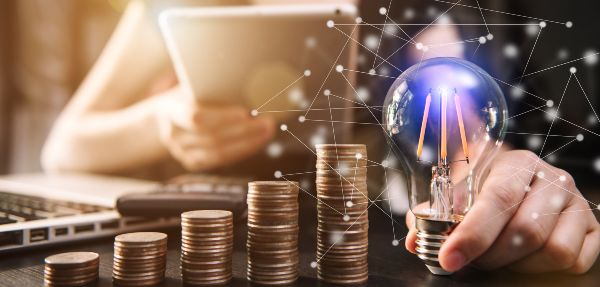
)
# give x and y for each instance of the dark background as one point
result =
(556, 45)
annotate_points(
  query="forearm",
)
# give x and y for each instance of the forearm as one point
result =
(106, 141)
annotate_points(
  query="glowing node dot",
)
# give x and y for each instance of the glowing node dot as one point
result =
(395, 242)
(543, 24)
(254, 113)
(349, 204)
(313, 264)
(511, 51)
(339, 68)
(274, 150)
(598, 207)
(382, 11)
(301, 119)
(557, 201)
(579, 137)
(562, 178)
(549, 103)
(310, 42)
(535, 215)
(590, 57)
(490, 36)
(358, 20)
(372, 72)
(563, 54)
(597, 165)
(573, 70)
(330, 23)
(278, 174)
(569, 24)
(541, 174)
(482, 40)
(358, 155)
(527, 188)
(283, 127)
(385, 163)
(307, 73)
(327, 92)
(517, 240)
(346, 217)
(419, 46)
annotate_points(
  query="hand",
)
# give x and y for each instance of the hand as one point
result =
(547, 226)
(206, 136)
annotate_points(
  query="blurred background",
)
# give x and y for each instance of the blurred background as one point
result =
(47, 47)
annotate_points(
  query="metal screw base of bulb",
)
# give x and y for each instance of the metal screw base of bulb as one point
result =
(431, 234)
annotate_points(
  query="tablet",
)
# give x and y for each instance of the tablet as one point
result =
(273, 59)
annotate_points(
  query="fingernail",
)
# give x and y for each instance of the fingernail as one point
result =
(454, 261)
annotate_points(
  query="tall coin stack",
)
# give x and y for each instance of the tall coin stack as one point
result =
(272, 232)
(342, 232)
(71, 269)
(206, 247)
(140, 258)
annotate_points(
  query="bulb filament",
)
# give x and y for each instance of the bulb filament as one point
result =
(444, 151)
(461, 127)
(443, 127)
(441, 197)
(423, 125)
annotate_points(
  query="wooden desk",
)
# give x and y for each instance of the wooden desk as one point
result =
(388, 265)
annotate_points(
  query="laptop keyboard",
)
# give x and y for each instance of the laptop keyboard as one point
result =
(19, 208)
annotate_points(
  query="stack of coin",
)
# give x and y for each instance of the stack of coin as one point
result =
(342, 232)
(206, 247)
(71, 269)
(140, 258)
(272, 232)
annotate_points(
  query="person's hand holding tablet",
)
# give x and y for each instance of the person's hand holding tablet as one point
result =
(203, 136)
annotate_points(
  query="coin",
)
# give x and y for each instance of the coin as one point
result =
(71, 269)
(139, 258)
(206, 247)
(342, 231)
(272, 243)
(141, 238)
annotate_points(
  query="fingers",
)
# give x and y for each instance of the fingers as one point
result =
(235, 132)
(562, 248)
(262, 125)
(497, 202)
(589, 251)
(240, 149)
(215, 149)
(411, 237)
(213, 117)
(533, 223)
(208, 117)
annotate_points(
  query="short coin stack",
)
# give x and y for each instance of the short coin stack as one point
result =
(71, 269)
(206, 247)
(342, 232)
(272, 232)
(140, 258)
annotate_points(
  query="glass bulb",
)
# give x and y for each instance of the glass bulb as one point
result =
(444, 120)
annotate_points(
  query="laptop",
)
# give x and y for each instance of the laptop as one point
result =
(39, 209)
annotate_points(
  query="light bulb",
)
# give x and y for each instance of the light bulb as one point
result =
(444, 119)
